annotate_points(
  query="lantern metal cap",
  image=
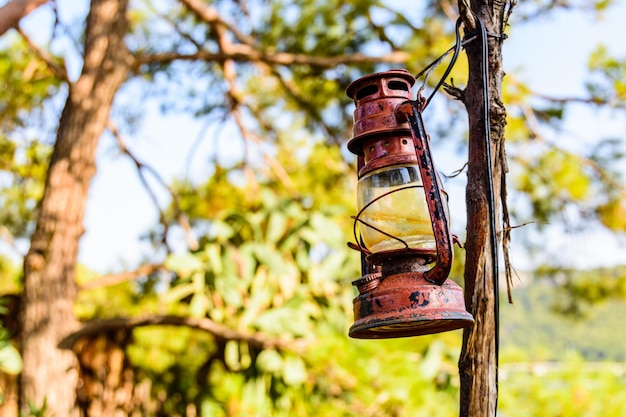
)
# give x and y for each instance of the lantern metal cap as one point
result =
(372, 79)
(376, 97)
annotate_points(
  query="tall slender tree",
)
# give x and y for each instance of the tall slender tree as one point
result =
(49, 375)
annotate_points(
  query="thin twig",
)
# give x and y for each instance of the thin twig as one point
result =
(506, 237)
(559, 100)
(174, 24)
(302, 101)
(457, 172)
(193, 149)
(7, 236)
(519, 226)
(56, 69)
(211, 16)
(180, 216)
(236, 100)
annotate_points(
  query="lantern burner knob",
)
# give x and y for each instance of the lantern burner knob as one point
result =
(367, 282)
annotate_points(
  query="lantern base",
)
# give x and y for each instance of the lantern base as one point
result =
(405, 304)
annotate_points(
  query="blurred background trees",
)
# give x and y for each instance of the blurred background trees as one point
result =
(241, 305)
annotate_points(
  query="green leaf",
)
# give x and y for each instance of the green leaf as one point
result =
(222, 230)
(294, 371)
(184, 264)
(269, 256)
(245, 261)
(269, 360)
(213, 253)
(613, 213)
(179, 292)
(231, 354)
(283, 320)
(199, 305)
(10, 360)
(228, 289)
(276, 227)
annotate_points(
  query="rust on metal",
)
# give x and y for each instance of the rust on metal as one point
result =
(434, 196)
(379, 136)
(404, 305)
(409, 294)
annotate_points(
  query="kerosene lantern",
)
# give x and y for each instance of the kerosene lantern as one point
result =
(402, 220)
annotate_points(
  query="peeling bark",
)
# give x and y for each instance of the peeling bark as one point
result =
(50, 374)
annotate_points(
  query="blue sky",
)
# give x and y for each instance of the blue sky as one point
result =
(551, 55)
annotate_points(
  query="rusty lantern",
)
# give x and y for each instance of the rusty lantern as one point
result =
(403, 232)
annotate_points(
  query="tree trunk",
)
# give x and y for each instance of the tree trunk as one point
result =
(478, 360)
(50, 375)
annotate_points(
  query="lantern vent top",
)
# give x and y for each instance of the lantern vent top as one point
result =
(376, 97)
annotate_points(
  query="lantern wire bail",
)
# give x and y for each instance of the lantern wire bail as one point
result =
(360, 245)
(456, 50)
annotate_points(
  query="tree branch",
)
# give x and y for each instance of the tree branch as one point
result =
(172, 22)
(466, 13)
(220, 331)
(181, 218)
(558, 100)
(313, 112)
(211, 16)
(58, 70)
(247, 50)
(12, 12)
(243, 53)
(234, 95)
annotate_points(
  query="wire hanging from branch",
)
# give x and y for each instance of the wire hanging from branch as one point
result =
(456, 48)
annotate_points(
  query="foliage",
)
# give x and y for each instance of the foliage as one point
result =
(27, 87)
(606, 78)
(561, 365)
(282, 271)
(10, 360)
(569, 388)
(560, 181)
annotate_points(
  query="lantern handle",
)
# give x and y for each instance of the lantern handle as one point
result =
(411, 111)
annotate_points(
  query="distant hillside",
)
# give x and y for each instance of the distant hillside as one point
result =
(531, 329)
